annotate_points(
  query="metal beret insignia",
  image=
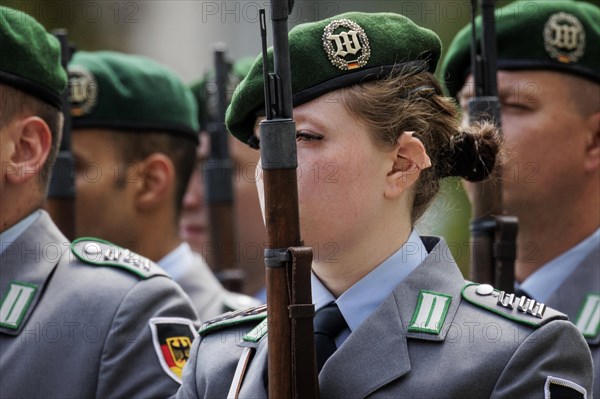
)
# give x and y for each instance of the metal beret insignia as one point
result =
(346, 44)
(83, 91)
(564, 38)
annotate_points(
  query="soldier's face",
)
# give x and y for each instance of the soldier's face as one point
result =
(194, 224)
(545, 137)
(341, 178)
(104, 207)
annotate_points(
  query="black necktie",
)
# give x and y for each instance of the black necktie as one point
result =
(329, 323)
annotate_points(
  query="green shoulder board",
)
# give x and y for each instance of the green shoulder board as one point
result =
(94, 251)
(235, 318)
(520, 309)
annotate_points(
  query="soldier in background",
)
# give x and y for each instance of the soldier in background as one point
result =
(549, 89)
(77, 320)
(394, 315)
(144, 120)
(251, 234)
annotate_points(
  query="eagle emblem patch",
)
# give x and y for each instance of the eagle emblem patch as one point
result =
(172, 338)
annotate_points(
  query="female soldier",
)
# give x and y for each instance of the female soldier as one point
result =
(367, 106)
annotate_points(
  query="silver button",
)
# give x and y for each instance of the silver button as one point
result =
(485, 289)
(92, 248)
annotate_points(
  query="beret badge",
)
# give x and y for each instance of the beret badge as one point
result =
(564, 38)
(83, 91)
(346, 44)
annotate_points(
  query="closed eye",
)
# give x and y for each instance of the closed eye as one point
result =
(303, 135)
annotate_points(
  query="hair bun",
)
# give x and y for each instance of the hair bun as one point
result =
(472, 153)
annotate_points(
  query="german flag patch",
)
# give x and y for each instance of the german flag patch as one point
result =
(172, 338)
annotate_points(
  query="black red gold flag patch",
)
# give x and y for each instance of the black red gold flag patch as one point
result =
(172, 338)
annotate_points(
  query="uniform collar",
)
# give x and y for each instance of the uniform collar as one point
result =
(178, 261)
(545, 281)
(10, 235)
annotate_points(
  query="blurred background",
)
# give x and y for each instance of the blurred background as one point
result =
(182, 35)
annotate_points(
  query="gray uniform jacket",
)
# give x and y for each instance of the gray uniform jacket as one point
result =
(71, 329)
(207, 293)
(579, 298)
(481, 350)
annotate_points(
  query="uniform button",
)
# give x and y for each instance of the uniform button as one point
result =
(485, 289)
(92, 248)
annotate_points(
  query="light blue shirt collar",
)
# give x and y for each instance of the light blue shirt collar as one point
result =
(543, 282)
(361, 300)
(10, 235)
(178, 261)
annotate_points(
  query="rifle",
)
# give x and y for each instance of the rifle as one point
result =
(291, 359)
(218, 175)
(493, 235)
(61, 194)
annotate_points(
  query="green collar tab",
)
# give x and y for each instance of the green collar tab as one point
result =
(15, 304)
(430, 313)
(588, 319)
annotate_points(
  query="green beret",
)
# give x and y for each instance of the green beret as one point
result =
(30, 57)
(121, 91)
(558, 35)
(334, 53)
(205, 90)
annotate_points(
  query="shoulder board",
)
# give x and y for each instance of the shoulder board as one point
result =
(519, 309)
(94, 251)
(235, 318)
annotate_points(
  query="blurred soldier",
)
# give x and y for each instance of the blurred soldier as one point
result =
(77, 320)
(144, 120)
(394, 315)
(251, 235)
(549, 89)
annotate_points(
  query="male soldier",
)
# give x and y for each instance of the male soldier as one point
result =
(77, 320)
(549, 89)
(251, 234)
(144, 119)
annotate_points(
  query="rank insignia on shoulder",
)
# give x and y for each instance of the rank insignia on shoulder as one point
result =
(172, 338)
(238, 317)
(560, 388)
(98, 252)
(520, 309)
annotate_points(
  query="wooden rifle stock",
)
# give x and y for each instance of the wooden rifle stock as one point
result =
(292, 371)
(493, 235)
(218, 179)
(60, 203)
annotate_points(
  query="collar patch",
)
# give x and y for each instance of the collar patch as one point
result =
(564, 38)
(346, 44)
(15, 304)
(430, 313)
(588, 319)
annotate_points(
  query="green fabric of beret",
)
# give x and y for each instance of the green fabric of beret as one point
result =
(204, 89)
(30, 57)
(333, 53)
(121, 91)
(559, 35)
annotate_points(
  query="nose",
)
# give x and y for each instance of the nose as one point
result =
(194, 195)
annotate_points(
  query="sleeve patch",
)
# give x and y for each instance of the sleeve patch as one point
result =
(172, 338)
(558, 388)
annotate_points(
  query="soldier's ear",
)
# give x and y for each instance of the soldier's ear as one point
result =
(157, 180)
(592, 157)
(27, 143)
(410, 158)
